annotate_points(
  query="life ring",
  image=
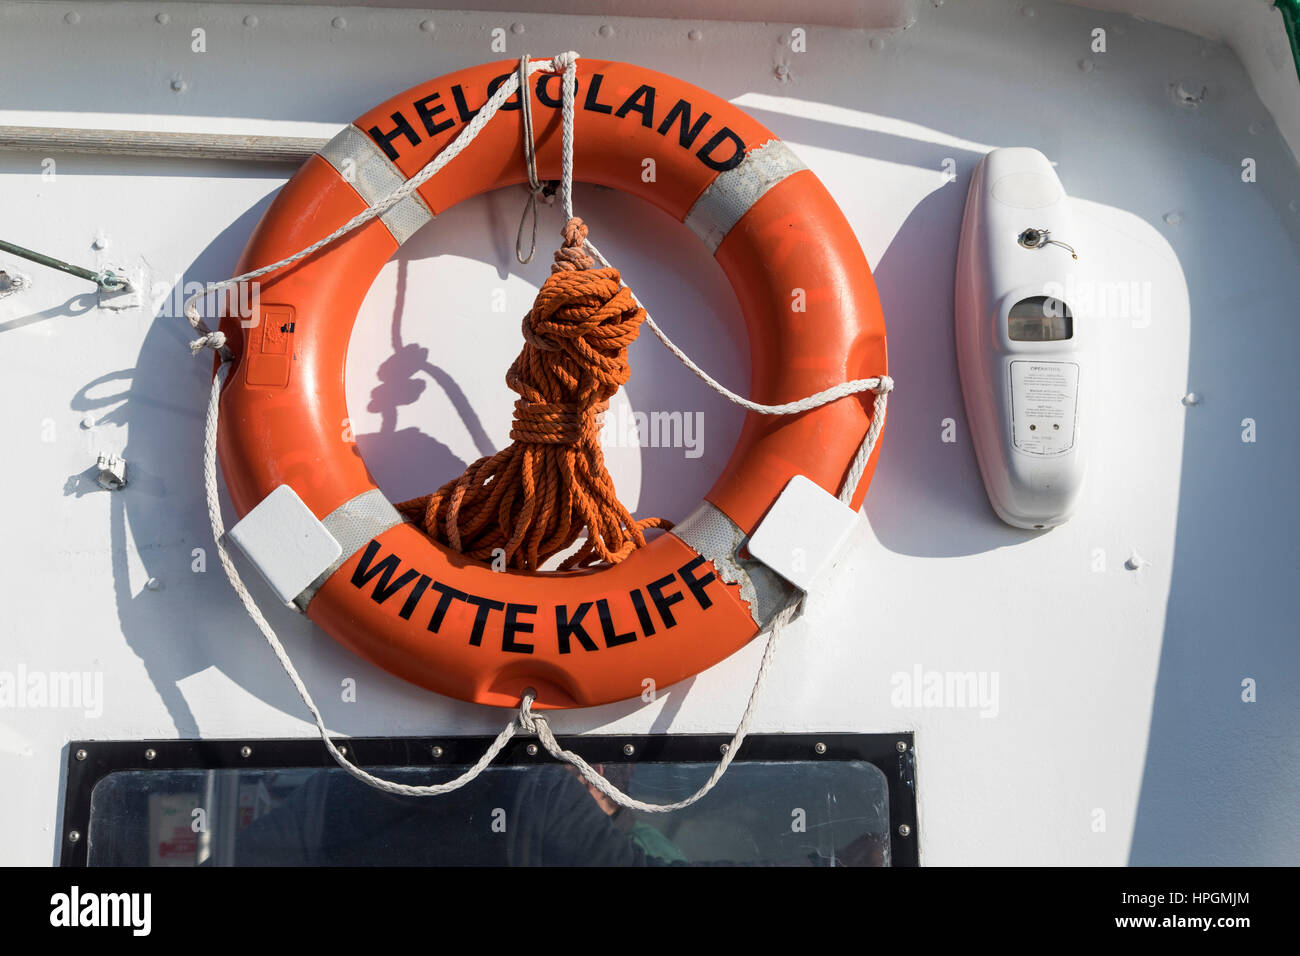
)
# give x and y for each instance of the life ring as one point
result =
(687, 599)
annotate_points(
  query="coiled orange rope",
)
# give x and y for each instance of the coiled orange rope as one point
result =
(533, 499)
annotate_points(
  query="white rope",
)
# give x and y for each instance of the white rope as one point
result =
(218, 533)
(216, 340)
(526, 720)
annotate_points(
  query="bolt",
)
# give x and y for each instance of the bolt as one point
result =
(343, 750)
(88, 420)
(162, 18)
(904, 830)
(516, 27)
(437, 752)
(81, 754)
(901, 746)
(245, 751)
(178, 84)
(74, 836)
(695, 35)
(724, 748)
(606, 31)
(153, 584)
(532, 750)
(72, 18)
(819, 747)
(150, 754)
(628, 750)
(427, 26)
(251, 21)
(339, 23)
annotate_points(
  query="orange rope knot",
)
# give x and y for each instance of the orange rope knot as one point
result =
(533, 498)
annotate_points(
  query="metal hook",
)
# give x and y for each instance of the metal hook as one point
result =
(535, 188)
(1037, 238)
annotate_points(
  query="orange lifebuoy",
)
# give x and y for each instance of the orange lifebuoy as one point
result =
(687, 599)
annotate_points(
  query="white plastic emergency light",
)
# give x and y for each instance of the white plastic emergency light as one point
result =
(1022, 349)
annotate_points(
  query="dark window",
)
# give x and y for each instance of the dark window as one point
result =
(525, 811)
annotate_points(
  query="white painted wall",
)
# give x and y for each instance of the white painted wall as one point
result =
(1119, 690)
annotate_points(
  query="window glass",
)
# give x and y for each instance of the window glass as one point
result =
(797, 813)
(1040, 318)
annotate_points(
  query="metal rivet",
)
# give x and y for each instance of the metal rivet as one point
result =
(904, 830)
(437, 752)
(343, 750)
(901, 746)
(1191, 398)
(251, 21)
(606, 31)
(339, 23)
(74, 836)
(82, 755)
(532, 750)
(516, 27)
(819, 747)
(72, 18)
(428, 26)
(245, 751)
(724, 748)
(178, 84)
(150, 754)
(153, 584)
(628, 750)
(876, 43)
(1173, 218)
(695, 35)
(162, 18)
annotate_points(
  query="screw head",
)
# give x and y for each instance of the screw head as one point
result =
(819, 747)
(532, 750)
(904, 830)
(81, 754)
(901, 746)
(343, 750)
(437, 751)
(724, 748)
(74, 836)
(245, 751)
(150, 754)
(628, 750)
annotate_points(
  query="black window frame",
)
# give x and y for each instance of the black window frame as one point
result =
(90, 761)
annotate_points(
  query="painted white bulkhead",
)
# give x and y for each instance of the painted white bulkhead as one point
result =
(1134, 673)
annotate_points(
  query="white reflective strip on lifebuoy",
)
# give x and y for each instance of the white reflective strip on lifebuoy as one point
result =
(733, 192)
(716, 538)
(372, 174)
(352, 524)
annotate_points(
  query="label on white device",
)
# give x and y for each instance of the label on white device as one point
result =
(286, 543)
(804, 533)
(1044, 399)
